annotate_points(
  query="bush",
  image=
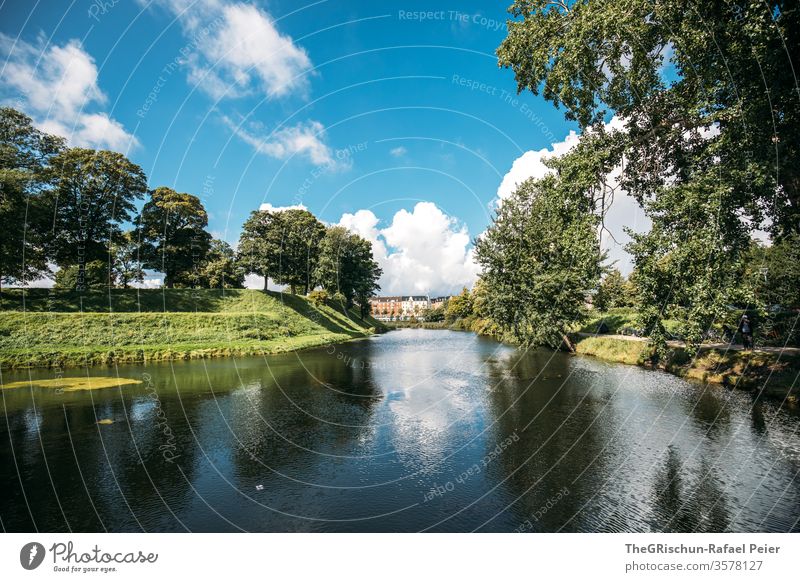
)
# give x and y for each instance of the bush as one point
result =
(319, 297)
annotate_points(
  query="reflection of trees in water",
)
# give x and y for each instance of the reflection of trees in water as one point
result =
(688, 501)
(545, 404)
(186, 419)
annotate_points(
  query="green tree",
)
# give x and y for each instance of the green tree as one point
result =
(93, 192)
(25, 154)
(775, 270)
(221, 270)
(260, 243)
(434, 314)
(172, 228)
(611, 292)
(730, 69)
(346, 266)
(539, 256)
(126, 268)
(459, 306)
(302, 234)
(91, 276)
(282, 245)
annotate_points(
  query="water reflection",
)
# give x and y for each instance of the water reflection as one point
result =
(414, 430)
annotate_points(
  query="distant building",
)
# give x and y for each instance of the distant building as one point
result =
(439, 302)
(399, 307)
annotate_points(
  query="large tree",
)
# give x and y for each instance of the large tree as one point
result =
(172, 228)
(539, 257)
(281, 245)
(93, 192)
(259, 250)
(25, 153)
(302, 234)
(346, 266)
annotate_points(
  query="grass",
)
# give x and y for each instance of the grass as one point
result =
(48, 328)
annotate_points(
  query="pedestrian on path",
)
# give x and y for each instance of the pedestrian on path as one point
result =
(746, 331)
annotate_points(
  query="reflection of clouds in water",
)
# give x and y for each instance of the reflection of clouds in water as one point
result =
(33, 420)
(142, 409)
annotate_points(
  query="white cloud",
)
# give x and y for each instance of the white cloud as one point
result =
(267, 207)
(236, 48)
(150, 283)
(304, 139)
(398, 152)
(422, 251)
(57, 86)
(531, 165)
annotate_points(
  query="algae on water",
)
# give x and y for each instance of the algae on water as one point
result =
(75, 384)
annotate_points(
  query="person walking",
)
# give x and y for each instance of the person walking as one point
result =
(746, 331)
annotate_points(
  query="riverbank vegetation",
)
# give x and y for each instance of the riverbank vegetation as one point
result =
(66, 329)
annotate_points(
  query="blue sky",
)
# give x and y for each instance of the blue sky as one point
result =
(391, 118)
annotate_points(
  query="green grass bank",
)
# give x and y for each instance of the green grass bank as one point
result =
(46, 328)
(772, 374)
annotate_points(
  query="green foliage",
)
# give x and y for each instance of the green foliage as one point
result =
(345, 266)
(25, 153)
(434, 315)
(700, 146)
(459, 306)
(612, 292)
(281, 245)
(93, 192)
(775, 271)
(171, 228)
(126, 268)
(539, 257)
(221, 270)
(93, 276)
(318, 297)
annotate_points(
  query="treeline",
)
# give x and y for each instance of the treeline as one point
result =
(65, 210)
(706, 140)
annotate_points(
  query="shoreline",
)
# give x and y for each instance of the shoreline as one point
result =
(98, 356)
(772, 374)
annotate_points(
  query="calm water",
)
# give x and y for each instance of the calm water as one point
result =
(412, 430)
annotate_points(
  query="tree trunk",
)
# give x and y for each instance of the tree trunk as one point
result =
(266, 280)
(569, 345)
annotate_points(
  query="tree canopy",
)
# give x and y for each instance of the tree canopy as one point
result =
(346, 266)
(25, 154)
(172, 228)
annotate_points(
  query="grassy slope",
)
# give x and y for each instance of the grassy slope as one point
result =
(47, 328)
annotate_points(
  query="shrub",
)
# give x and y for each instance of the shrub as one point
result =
(318, 297)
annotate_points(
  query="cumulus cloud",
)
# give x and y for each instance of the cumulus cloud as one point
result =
(422, 251)
(531, 165)
(303, 139)
(57, 86)
(237, 49)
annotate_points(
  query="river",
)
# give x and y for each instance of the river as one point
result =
(413, 430)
